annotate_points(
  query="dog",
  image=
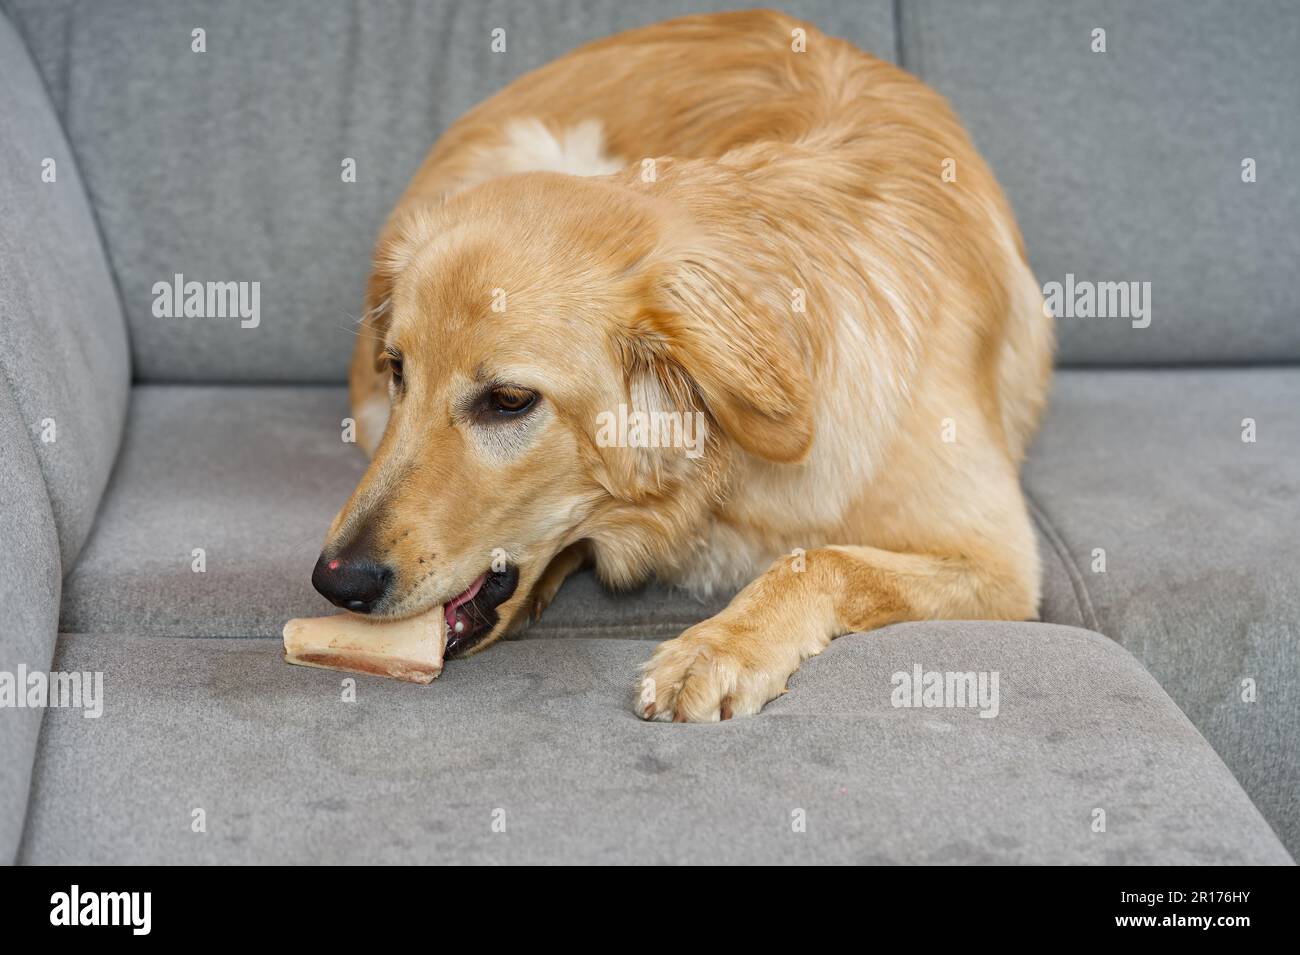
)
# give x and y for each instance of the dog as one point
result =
(733, 217)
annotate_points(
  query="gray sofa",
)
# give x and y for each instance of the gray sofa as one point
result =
(167, 481)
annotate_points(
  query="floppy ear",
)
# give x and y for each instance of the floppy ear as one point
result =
(655, 385)
(733, 338)
(367, 383)
(403, 235)
(366, 370)
(374, 323)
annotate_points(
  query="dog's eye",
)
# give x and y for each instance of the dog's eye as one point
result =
(510, 401)
(394, 361)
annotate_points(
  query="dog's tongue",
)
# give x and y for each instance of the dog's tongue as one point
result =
(451, 612)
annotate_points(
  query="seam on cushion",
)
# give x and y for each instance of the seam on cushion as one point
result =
(909, 25)
(898, 32)
(1077, 583)
(62, 105)
(643, 631)
(7, 384)
(652, 631)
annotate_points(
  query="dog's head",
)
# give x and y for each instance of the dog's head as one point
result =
(568, 360)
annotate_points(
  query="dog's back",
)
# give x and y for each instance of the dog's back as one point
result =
(758, 88)
(793, 237)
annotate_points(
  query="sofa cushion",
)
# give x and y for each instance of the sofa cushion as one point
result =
(1148, 470)
(29, 602)
(226, 166)
(1127, 165)
(530, 753)
(252, 476)
(63, 347)
(216, 512)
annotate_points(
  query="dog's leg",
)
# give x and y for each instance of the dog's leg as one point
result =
(568, 561)
(733, 663)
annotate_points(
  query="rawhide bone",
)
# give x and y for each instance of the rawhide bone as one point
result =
(408, 649)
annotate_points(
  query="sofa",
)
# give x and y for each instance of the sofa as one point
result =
(168, 480)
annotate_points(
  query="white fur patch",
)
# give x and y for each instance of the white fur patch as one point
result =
(531, 147)
(372, 419)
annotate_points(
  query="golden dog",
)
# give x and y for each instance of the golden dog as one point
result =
(735, 217)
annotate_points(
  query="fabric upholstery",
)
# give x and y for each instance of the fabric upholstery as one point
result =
(538, 736)
(1199, 533)
(29, 602)
(63, 347)
(1127, 165)
(216, 512)
(225, 166)
(252, 475)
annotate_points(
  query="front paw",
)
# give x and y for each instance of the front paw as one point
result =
(714, 671)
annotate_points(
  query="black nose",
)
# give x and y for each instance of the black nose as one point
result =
(355, 584)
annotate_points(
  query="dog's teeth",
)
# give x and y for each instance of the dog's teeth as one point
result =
(460, 626)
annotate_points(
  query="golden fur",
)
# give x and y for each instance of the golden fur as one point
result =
(720, 223)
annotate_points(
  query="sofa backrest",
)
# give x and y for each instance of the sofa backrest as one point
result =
(63, 348)
(1123, 153)
(227, 165)
(1129, 156)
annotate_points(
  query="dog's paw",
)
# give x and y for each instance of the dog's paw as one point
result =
(713, 671)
